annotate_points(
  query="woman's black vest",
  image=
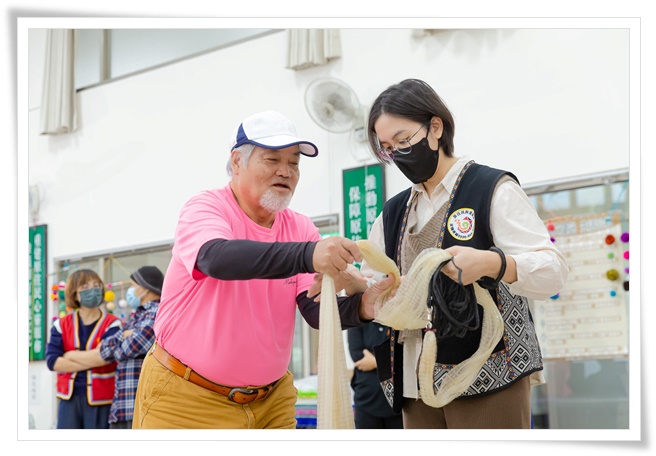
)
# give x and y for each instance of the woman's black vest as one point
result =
(470, 201)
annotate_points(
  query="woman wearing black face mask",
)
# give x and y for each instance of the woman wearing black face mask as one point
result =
(481, 216)
(85, 383)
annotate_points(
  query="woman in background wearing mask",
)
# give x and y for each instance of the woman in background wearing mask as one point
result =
(483, 218)
(129, 347)
(85, 383)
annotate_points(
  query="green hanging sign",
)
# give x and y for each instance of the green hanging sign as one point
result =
(37, 300)
(364, 195)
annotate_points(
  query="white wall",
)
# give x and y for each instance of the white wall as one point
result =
(543, 103)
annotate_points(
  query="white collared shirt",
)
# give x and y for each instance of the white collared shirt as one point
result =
(516, 229)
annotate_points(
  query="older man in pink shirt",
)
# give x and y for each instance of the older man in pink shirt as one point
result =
(242, 263)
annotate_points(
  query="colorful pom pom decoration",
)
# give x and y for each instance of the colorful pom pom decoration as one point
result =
(624, 237)
(626, 254)
(612, 274)
(610, 239)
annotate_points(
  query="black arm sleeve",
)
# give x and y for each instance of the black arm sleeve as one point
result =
(348, 307)
(244, 260)
(356, 343)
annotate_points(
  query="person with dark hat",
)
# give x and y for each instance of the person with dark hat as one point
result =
(129, 347)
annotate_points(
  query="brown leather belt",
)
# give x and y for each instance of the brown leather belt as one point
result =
(238, 395)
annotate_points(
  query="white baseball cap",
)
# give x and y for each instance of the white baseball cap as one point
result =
(271, 130)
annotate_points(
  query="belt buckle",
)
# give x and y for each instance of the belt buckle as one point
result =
(248, 392)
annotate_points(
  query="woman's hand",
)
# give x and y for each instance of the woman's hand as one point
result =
(469, 264)
(73, 355)
(84, 359)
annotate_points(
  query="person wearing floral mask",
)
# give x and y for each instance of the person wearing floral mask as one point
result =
(85, 383)
(130, 346)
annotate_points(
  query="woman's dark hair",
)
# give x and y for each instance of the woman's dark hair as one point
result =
(415, 100)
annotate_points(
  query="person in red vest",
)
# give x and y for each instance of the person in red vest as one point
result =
(85, 385)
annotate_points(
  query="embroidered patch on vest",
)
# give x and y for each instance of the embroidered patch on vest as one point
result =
(461, 224)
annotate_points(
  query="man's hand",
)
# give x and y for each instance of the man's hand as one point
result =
(333, 254)
(372, 295)
(350, 280)
(367, 362)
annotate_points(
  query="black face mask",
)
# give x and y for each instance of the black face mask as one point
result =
(420, 164)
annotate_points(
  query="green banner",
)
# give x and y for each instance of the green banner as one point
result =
(37, 275)
(364, 195)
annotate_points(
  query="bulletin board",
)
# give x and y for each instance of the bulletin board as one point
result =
(589, 317)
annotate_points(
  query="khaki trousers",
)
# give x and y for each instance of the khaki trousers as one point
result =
(165, 400)
(509, 408)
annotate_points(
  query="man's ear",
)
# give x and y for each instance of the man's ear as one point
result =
(235, 159)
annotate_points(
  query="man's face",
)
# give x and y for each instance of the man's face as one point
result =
(269, 178)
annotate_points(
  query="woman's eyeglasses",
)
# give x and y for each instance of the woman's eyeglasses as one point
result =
(402, 147)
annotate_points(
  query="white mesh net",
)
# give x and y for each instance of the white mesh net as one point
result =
(334, 410)
(461, 376)
(407, 310)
